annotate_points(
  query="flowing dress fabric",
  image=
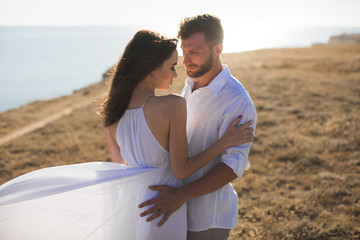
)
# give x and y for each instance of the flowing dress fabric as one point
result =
(97, 200)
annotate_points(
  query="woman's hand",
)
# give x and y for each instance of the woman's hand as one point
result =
(237, 135)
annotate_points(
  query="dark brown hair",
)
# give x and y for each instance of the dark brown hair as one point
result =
(146, 51)
(207, 24)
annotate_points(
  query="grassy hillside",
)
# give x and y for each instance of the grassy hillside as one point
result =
(304, 180)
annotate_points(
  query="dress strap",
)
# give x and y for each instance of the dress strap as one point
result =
(146, 101)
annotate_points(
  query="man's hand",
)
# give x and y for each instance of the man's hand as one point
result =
(169, 200)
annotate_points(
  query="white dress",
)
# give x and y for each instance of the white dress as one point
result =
(97, 200)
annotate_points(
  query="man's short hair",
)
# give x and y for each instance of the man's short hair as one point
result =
(207, 24)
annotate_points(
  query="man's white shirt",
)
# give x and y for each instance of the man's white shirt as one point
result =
(210, 110)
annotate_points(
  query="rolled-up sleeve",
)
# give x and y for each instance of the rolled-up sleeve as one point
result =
(237, 157)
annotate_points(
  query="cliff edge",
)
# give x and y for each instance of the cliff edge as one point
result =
(345, 39)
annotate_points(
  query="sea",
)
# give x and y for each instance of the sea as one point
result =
(39, 63)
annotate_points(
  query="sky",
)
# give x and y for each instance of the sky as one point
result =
(255, 18)
(165, 14)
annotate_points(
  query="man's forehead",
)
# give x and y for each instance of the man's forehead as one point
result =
(196, 40)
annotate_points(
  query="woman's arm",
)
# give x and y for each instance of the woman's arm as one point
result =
(114, 149)
(184, 166)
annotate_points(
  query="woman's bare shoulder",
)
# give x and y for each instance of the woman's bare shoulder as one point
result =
(167, 105)
(172, 101)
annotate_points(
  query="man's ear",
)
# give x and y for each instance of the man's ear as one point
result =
(218, 49)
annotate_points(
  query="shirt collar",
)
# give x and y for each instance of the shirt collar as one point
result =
(220, 80)
(216, 84)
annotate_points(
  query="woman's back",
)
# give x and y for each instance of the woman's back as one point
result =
(138, 134)
(143, 133)
(138, 145)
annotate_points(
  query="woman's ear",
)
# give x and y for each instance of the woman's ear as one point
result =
(153, 71)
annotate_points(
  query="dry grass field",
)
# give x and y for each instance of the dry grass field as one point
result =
(304, 180)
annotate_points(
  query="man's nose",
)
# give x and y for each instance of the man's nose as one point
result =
(186, 60)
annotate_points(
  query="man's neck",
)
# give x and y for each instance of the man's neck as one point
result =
(207, 78)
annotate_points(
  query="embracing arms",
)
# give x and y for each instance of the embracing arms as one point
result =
(234, 162)
(184, 166)
(171, 199)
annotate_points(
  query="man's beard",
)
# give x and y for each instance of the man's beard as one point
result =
(204, 68)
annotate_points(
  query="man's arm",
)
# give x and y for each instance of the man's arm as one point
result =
(171, 199)
(216, 178)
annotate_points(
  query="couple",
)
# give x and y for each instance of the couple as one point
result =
(149, 135)
(153, 131)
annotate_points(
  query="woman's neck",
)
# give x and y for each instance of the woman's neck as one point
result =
(140, 94)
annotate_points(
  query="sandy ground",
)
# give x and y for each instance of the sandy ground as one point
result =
(304, 180)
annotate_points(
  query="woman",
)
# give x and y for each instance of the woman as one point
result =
(145, 133)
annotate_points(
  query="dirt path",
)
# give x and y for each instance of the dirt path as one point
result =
(43, 122)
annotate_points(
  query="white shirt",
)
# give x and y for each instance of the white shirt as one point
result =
(210, 111)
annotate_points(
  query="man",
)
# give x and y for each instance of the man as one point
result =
(214, 98)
